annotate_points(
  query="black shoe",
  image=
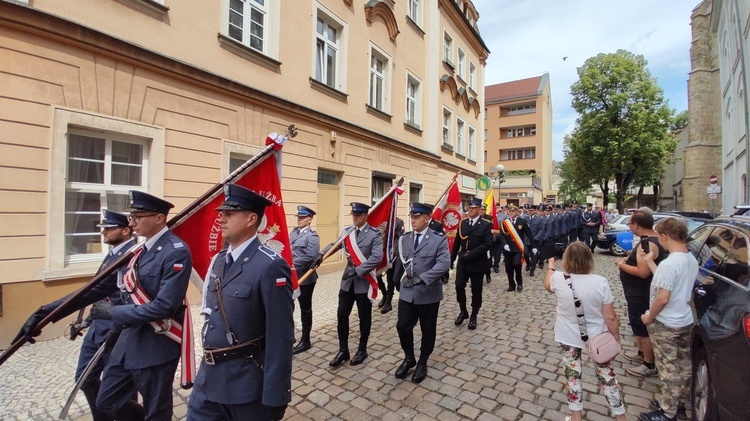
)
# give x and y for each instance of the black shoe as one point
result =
(657, 415)
(382, 302)
(681, 413)
(510, 289)
(419, 373)
(339, 358)
(387, 306)
(460, 319)
(302, 346)
(496, 270)
(531, 273)
(404, 368)
(359, 357)
(472, 323)
(520, 288)
(487, 279)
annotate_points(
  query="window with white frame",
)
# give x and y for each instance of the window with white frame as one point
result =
(460, 136)
(447, 122)
(248, 23)
(101, 169)
(380, 186)
(379, 79)
(522, 131)
(513, 154)
(472, 143)
(415, 11)
(448, 48)
(327, 50)
(521, 109)
(413, 100)
(461, 63)
(486, 134)
(472, 76)
(415, 192)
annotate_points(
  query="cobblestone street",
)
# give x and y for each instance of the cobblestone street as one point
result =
(507, 369)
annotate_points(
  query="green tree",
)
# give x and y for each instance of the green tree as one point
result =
(680, 121)
(622, 131)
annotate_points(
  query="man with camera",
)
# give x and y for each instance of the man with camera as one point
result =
(513, 232)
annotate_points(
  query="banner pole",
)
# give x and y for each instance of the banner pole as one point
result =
(455, 176)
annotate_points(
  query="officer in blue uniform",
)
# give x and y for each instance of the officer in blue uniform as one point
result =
(246, 373)
(473, 241)
(591, 221)
(305, 247)
(356, 283)
(534, 222)
(142, 360)
(422, 259)
(386, 288)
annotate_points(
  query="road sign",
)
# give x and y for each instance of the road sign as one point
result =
(713, 190)
(714, 179)
(712, 196)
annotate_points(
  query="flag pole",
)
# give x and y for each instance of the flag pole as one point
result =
(291, 132)
(338, 242)
(453, 180)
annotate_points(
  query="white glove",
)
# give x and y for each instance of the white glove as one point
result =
(506, 248)
(533, 251)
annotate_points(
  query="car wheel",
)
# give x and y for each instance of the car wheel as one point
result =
(702, 396)
(616, 250)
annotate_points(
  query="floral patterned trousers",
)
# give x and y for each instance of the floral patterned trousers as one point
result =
(604, 374)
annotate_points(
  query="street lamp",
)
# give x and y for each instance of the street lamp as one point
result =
(498, 174)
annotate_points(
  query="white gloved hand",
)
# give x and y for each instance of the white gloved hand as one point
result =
(534, 250)
(506, 247)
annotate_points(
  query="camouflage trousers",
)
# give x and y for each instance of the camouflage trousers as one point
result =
(604, 374)
(672, 351)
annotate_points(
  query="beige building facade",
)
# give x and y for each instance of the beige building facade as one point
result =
(103, 96)
(518, 135)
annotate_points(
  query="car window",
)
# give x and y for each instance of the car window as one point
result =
(696, 245)
(728, 255)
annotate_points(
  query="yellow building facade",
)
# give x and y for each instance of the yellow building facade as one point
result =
(102, 96)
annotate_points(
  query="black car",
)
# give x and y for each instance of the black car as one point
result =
(720, 347)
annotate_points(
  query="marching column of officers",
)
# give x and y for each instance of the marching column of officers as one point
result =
(248, 333)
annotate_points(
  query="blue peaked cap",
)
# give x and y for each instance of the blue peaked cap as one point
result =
(111, 219)
(305, 211)
(238, 198)
(420, 208)
(141, 201)
(359, 207)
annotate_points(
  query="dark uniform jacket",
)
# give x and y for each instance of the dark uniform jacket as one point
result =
(430, 260)
(370, 243)
(305, 247)
(524, 232)
(591, 216)
(257, 297)
(476, 242)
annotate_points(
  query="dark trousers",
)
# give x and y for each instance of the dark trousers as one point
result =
(591, 239)
(408, 316)
(205, 410)
(477, 282)
(531, 258)
(573, 235)
(497, 254)
(364, 310)
(513, 269)
(305, 306)
(386, 287)
(153, 383)
(91, 385)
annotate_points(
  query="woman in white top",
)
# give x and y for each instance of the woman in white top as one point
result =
(669, 319)
(599, 312)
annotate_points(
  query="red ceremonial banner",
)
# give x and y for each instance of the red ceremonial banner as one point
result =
(448, 212)
(383, 217)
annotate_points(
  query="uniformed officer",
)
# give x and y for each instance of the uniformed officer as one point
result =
(385, 304)
(364, 250)
(591, 220)
(305, 247)
(488, 218)
(497, 246)
(423, 258)
(534, 222)
(473, 240)
(513, 233)
(249, 329)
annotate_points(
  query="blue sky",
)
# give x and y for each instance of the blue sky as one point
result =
(529, 37)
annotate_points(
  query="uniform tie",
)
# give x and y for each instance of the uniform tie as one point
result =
(416, 241)
(356, 235)
(230, 261)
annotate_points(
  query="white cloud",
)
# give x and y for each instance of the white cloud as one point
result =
(528, 38)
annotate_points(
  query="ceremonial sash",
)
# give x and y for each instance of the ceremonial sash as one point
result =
(181, 333)
(352, 249)
(511, 230)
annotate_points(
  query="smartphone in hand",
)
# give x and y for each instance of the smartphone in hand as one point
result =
(644, 243)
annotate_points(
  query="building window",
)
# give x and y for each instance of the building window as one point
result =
(513, 154)
(472, 143)
(521, 109)
(248, 23)
(328, 177)
(460, 136)
(327, 41)
(485, 156)
(473, 78)
(461, 63)
(415, 192)
(486, 134)
(486, 113)
(379, 80)
(415, 11)
(522, 131)
(448, 49)
(413, 100)
(380, 186)
(447, 119)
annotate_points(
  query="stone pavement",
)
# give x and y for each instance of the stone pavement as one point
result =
(507, 369)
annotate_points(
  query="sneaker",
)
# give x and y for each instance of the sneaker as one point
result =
(681, 412)
(642, 371)
(657, 415)
(636, 358)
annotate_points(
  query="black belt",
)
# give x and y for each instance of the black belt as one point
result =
(246, 350)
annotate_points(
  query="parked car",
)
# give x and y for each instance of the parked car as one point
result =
(618, 239)
(720, 342)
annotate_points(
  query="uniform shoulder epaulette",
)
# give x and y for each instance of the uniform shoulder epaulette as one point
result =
(176, 242)
(438, 233)
(269, 252)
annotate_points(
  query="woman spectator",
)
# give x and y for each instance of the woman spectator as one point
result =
(596, 299)
(669, 318)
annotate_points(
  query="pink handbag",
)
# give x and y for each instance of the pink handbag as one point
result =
(603, 348)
